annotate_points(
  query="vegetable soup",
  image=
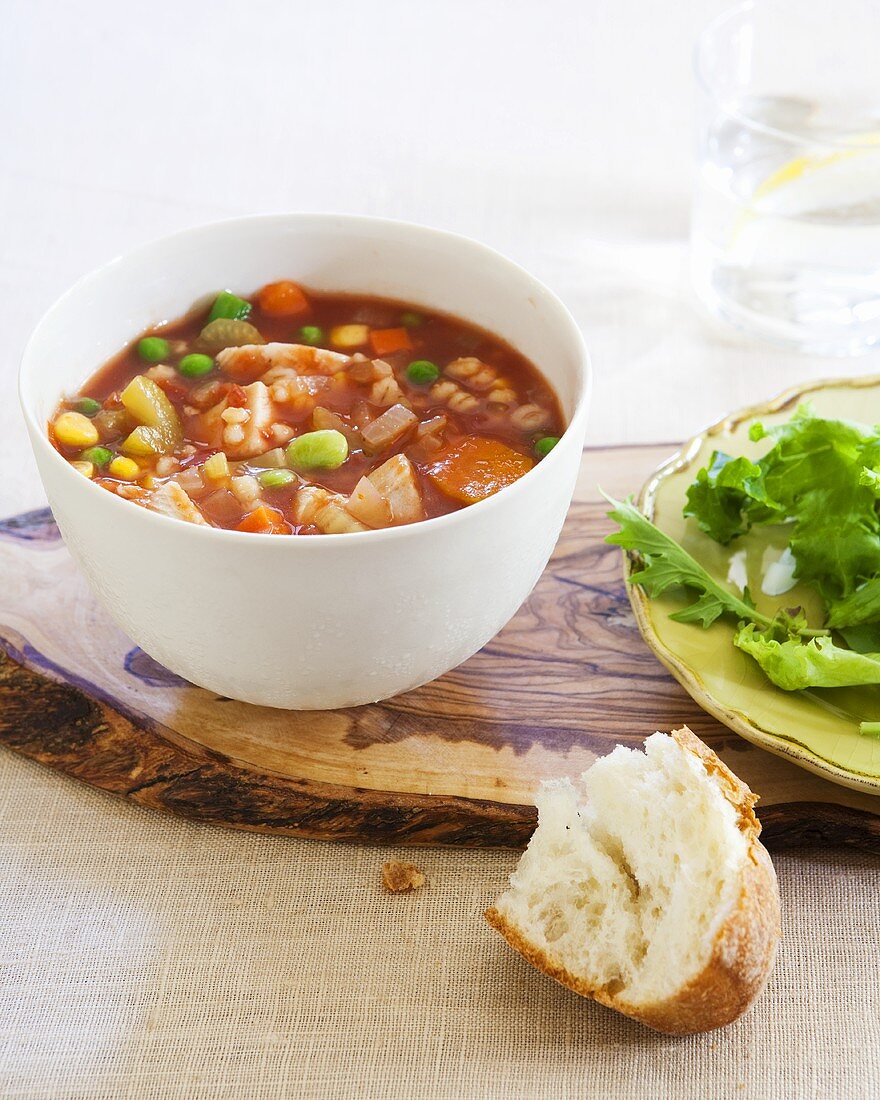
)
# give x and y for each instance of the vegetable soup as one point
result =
(297, 412)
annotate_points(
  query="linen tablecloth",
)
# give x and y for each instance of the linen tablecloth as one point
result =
(141, 956)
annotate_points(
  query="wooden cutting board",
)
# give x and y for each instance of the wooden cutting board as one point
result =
(453, 763)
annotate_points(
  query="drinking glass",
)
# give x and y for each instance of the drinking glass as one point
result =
(785, 235)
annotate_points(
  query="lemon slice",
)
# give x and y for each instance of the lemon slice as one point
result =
(809, 196)
(845, 177)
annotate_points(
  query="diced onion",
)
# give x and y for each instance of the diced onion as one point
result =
(222, 507)
(368, 505)
(388, 429)
(190, 480)
(275, 459)
(326, 419)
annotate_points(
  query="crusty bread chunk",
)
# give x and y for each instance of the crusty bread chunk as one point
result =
(646, 888)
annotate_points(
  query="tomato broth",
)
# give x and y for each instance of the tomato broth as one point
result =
(299, 412)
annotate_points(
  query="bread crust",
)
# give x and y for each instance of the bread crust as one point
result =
(745, 945)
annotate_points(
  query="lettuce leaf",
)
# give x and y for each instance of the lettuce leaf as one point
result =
(794, 664)
(858, 608)
(822, 476)
(727, 497)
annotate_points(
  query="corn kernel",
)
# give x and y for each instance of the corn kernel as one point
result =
(126, 469)
(87, 469)
(349, 336)
(72, 429)
(216, 466)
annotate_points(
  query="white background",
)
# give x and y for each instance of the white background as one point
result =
(560, 133)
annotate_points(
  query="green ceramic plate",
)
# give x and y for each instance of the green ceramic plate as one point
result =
(818, 729)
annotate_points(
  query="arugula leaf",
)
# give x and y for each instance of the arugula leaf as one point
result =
(794, 664)
(667, 564)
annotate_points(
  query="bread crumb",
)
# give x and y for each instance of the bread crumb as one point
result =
(401, 878)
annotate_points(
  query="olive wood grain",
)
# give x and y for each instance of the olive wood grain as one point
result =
(452, 763)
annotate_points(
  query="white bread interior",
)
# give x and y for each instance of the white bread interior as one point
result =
(645, 887)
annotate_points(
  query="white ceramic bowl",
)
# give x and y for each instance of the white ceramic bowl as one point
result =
(334, 620)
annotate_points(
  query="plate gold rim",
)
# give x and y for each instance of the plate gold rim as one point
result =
(684, 673)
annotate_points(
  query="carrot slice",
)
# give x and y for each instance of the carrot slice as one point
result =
(385, 341)
(282, 299)
(476, 468)
(264, 521)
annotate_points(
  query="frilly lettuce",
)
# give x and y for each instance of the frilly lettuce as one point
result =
(823, 478)
(794, 664)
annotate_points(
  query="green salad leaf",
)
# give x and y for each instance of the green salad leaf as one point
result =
(725, 495)
(666, 564)
(820, 480)
(863, 638)
(794, 664)
(823, 478)
(859, 607)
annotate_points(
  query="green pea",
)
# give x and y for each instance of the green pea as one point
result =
(229, 306)
(311, 334)
(545, 445)
(88, 406)
(274, 479)
(422, 372)
(98, 456)
(195, 365)
(153, 348)
(323, 450)
(410, 319)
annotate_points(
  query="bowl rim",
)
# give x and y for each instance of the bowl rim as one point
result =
(39, 437)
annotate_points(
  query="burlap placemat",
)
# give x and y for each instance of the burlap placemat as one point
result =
(141, 956)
